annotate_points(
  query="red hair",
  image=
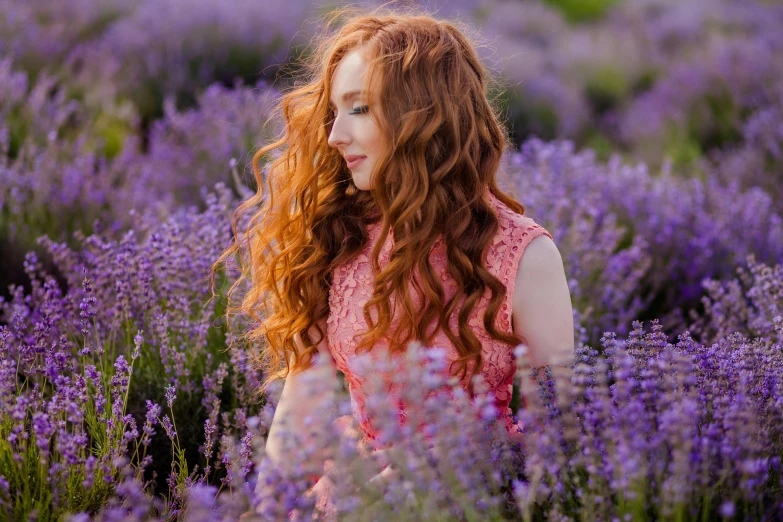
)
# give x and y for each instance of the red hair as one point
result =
(443, 144)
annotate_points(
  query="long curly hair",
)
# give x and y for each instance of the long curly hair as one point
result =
(443, 144)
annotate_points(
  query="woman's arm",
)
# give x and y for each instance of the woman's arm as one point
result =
(298, 402)
(542, 312)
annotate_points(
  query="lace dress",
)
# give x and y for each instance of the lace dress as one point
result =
(352, 285)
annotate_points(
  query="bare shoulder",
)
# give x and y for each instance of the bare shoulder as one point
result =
(541, 258)
(542, 313)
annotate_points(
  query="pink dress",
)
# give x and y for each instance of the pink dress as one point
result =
(352, 285)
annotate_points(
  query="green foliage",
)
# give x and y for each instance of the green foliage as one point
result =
(110, 132)
(577, 11)
(147, 97)
(683, 150)
(716, 123)
(605, 88)
(18, 127)
(29, 472)
(99, 25)
(602, 146)
(244, 63)
(45, 495)
(644, 82)
(529, 118)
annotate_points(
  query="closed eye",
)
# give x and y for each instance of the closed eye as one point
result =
(364, 109)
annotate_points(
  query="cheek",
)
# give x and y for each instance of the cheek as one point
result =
(372, 137)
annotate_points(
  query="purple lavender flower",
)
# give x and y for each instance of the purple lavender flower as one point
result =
(138, 339)
(87, 308)
(641, 222)
(168, 427)
(170, 395)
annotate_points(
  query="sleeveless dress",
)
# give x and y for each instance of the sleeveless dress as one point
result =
(352, 285)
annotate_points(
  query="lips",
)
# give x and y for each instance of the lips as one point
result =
(353, 161)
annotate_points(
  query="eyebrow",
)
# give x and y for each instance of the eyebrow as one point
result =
(348, 95)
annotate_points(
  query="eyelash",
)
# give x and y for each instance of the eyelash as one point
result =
(361, 110)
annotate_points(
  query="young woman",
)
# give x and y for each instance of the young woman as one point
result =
(384, 223)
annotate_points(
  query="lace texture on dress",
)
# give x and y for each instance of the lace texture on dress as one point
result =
(352, 285)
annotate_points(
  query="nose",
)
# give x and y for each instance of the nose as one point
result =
(338, 136)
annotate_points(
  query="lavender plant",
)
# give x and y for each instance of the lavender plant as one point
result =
(176, 47)
(750, 304)
(59, 185)
(38, 34)
(653, 432)
(130, 311)
(58, 181)
(638, 246)
(647, 430)
(52, 159)
(704, 101)
(587, 82)
(651, 78)
(450, 459)
(199, 147)
(757, 161)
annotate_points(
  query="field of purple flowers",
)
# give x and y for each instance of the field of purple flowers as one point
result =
(650, 144)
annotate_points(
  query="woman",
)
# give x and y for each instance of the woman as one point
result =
(390, 152)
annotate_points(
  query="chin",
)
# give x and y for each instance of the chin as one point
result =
(361, 183)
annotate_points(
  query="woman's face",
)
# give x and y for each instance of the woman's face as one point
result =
(354, 133)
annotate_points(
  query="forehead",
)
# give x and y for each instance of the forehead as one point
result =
(350, 78)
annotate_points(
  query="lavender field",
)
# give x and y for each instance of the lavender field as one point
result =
(649, 139)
